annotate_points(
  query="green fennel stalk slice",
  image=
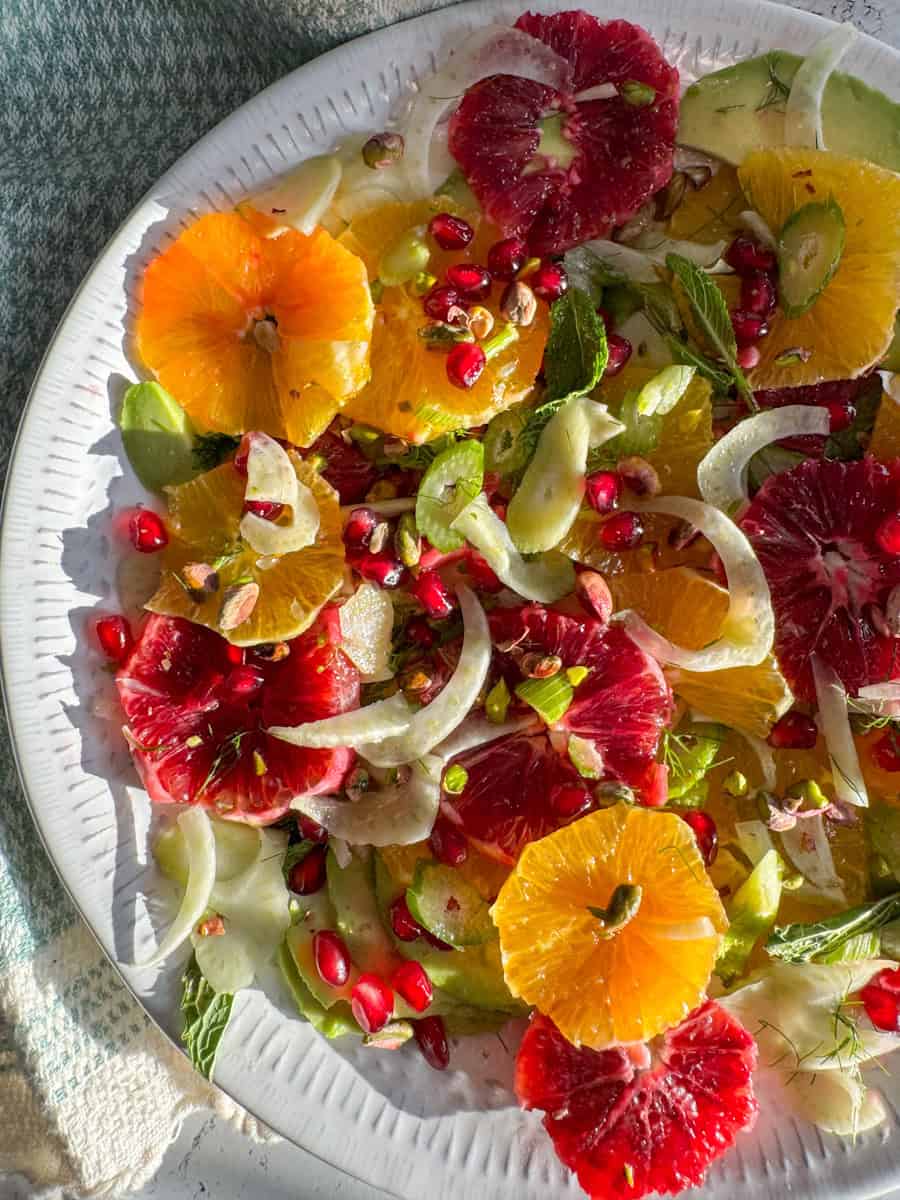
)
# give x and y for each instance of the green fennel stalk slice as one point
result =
(751, 914)
(814, 940)
(452, 482)
(448, 906)
(158, 436)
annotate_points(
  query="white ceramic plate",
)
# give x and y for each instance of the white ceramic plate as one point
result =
(383, 1117)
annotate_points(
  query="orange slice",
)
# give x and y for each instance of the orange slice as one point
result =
(709, 214)
(850, 326)
(249, 332)
(603, 982)
(409, 394)
(204, 526)
(689, 609)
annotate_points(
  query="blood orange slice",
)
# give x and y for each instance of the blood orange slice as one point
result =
(622, 705)
(813, 529)
(627, 1131)
(558, 168)
(519, 789)
(516, 792)
(196, 718)
(840, 397)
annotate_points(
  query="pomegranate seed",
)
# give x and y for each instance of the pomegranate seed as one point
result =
(433, 594)
(412, 983)
(481, 575)
(841, 416)
(881, 1005)
(887, 535)
(603, 489)
(549, 281)
(444, 303)
(234, 654)
(243, 453)
(310, 830)
(795, 731)
(147, 531)
(244, 682)
(472, 281)
(308, 875)
(746, 255)
(332, 958)
(447, 844)
(748, 357)
(758, 294)
(465, 363)
(432, 1038)
(403, 923)
(748, 327)
(372, 1002)
(623, 531)
(420, 632)
(618, 352)
(359, 527)
(114, 636)
(570, 800)
(383, 568)
(886, 752)
(593, 592)
(268, 510)
(450, 233)
(705, 833)
(507, 258)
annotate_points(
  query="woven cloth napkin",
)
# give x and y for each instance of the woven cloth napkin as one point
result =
(97, 99)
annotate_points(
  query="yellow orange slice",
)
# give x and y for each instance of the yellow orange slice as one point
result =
(603, 982)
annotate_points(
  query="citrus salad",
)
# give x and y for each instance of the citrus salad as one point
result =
(526, 635)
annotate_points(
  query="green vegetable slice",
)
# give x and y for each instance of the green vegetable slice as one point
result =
(452, 482)
(809, 251)
(448, 906)
(158, 436)
(505, 450)
(550, 698)
(751, 913)
(813, 941)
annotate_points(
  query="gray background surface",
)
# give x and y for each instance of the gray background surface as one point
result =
(97, 99)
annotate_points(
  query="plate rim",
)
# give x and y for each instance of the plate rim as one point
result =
(466, 12)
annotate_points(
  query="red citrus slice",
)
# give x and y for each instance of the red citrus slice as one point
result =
(813, 529)
(196, 718)
(626, 1131)
(614, 153)
(622, 705)
(519, 789)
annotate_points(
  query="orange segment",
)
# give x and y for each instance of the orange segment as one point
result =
(409, 394)
(200, 328)
(850, 326)
(709, 214)
(602, 985)
(204, 525)
(689, 609)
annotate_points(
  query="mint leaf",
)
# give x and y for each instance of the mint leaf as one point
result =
(711, 314)
(816, 940)
(206, 1015)
(576, 348)
(687, 356)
